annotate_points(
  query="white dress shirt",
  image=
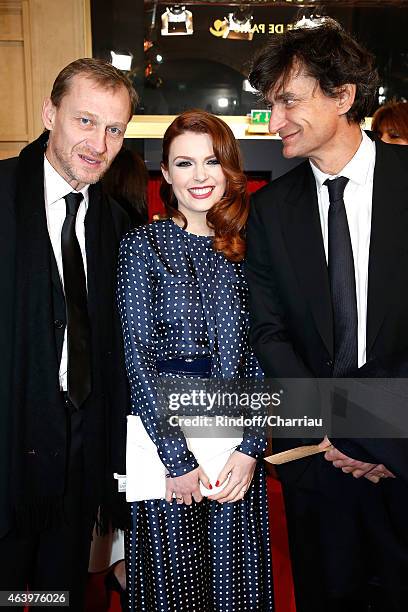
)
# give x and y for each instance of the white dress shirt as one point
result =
(55, 189)
(358, 196)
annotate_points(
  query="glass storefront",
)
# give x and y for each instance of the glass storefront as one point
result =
(198, 54)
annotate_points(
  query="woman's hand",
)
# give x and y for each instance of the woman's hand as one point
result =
(241, 469)
(187, 487)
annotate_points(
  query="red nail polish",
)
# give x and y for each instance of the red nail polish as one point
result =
(217, 484)
(210, 486)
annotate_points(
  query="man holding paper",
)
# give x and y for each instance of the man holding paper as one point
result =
(327, 266)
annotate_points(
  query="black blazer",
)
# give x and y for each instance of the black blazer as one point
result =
(104, 424)
(7, 267)
(292, 326)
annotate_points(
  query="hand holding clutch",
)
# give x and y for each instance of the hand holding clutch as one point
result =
(239, 469)
(187, 487)
(141, 484)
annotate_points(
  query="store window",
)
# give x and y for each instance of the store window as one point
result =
(198, 54)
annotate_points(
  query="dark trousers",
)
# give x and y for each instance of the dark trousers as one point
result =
(348, 540)
(55, 559)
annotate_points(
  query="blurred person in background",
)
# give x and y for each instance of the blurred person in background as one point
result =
(126, 182)
(390, 123)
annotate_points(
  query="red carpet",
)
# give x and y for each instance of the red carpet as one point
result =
(282, 574)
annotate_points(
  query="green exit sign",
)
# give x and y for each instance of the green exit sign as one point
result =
(260, 117)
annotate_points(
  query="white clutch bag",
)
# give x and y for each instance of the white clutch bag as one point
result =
(146, 474)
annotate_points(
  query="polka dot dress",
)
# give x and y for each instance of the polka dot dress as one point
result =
(179, 298)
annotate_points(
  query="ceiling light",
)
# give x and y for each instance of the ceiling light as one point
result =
(309, 22)
(121, 61)
(239, 24)
(176, 21)
(246, 86)
(222, 102)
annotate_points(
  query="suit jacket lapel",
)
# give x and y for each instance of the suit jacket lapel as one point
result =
(32, 212)
(388, 235)
(98, 246)
(303, 235)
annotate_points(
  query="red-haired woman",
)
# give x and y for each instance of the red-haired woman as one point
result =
(183, 304)
(390, 123)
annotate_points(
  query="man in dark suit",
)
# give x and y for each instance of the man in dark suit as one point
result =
(327, 266)
(63, 388)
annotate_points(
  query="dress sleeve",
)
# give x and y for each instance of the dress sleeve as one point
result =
(254, 439)
(136, 286)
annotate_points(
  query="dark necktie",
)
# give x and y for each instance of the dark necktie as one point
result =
(342, 281)
(78, 327)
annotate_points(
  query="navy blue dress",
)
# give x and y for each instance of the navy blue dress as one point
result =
(179, 298)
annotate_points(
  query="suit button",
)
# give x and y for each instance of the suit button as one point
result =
(329, 363)
(59, 324)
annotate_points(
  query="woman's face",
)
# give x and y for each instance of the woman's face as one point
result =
(391, 136)
(195, 174)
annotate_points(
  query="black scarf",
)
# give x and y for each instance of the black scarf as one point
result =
(39, 417)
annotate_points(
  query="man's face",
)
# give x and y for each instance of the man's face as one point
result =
(86, 130)
(305, 118)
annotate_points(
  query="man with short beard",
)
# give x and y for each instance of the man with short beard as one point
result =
(63, 388)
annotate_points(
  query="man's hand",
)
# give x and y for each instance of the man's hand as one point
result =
(372, 471)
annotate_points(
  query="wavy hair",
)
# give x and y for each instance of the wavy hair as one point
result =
(325, 52)
(227, 217)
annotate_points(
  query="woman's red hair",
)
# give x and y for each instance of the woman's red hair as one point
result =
(227, 217)
(393, 115)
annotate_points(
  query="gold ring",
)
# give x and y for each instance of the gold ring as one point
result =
(179, 498)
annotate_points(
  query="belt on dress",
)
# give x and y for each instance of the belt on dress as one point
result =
(185, 365)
